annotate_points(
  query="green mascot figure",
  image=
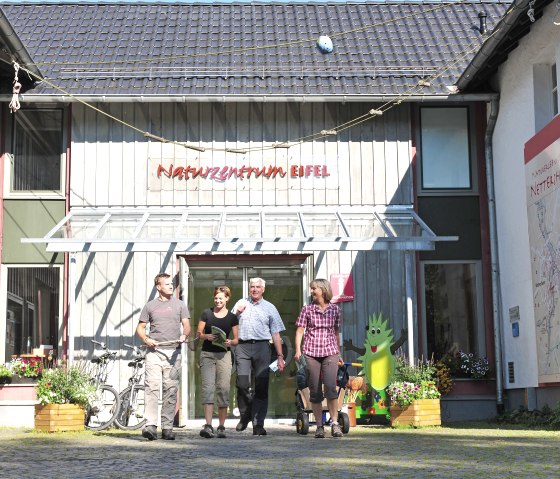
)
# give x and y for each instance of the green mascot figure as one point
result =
(378, 366)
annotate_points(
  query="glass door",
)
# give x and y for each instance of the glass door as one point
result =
(286, 282)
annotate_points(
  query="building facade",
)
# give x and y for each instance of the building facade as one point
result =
(272, 159)
(523, 68)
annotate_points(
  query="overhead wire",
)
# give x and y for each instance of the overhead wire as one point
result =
(292, 142)
(168, 58)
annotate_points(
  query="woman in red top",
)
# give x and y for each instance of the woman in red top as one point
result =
(318, 325)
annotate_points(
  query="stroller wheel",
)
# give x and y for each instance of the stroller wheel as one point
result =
(302, 423)
(344, 422)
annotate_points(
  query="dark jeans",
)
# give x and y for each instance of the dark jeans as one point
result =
(253, 360)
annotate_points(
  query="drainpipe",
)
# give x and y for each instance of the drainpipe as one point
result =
(496, 309)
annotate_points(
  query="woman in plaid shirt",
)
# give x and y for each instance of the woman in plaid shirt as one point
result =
(318, 325)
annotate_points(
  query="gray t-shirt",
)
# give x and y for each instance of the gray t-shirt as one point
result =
(164, 318)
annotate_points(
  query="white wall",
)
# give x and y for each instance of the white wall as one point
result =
(516, 125)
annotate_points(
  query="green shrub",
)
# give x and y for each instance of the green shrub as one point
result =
(65, 386)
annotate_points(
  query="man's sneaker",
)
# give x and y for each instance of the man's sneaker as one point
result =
(150, 433)
(168, 434)
(335, 430)
(221, 431)
(207, 431)
(320, 432)
(259, 431)
(241, 425)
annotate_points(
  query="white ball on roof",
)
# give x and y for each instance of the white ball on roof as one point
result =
(325, 44)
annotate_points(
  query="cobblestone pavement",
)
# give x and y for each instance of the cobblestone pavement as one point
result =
(366, 452)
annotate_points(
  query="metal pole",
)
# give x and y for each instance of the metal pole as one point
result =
(409, 308)
(71, 308)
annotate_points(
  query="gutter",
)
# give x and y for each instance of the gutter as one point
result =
(494, 260)
(38, 98)
(499, 33)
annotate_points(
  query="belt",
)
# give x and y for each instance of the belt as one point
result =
(252, 341)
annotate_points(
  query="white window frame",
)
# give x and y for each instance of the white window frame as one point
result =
(471, 139)
(554, 75)
(9, 160)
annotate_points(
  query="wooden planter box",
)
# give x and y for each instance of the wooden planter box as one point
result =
(59, 417)
(422, 412)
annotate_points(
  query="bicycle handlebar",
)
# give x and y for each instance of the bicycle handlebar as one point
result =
(135, 349)
(103, 345)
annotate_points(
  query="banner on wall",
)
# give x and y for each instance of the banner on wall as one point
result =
(542, 177)
(342, 287)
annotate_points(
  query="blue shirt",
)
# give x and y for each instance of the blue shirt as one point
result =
(259, 320)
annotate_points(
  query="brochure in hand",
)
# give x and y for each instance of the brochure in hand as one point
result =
(220, 337)
(301, 363)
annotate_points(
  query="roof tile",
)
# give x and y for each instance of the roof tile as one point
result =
(380, 48)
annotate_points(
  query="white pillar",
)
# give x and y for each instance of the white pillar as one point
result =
(409, 280)
(71, 308)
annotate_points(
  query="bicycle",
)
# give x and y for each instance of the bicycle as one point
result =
(131, 412)
(104, 407)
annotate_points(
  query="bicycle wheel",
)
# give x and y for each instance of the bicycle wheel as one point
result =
(131, 412)
(102, 411)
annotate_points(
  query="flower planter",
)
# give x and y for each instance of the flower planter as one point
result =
(422, 412)
(351, 408)
(473, 387)
(59, 417)
(23, 380)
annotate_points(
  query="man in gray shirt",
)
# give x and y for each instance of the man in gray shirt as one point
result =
(259, 322)
(168, 318)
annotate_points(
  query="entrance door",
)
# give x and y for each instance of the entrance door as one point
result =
(286, 282)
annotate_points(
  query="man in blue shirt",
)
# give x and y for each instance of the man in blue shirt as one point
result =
(259, 323)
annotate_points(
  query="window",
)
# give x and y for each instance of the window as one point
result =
(32, 309)
(37, 150)
(453, 308)
(545, 93)
(445, 151)
(554, 90)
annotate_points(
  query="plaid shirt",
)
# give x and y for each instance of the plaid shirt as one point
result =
(320, 338)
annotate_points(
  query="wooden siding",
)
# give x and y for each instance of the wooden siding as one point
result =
(368, 164)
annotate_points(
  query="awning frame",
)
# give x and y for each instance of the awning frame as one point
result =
(350, 228)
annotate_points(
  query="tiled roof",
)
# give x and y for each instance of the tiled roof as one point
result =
(261, 49)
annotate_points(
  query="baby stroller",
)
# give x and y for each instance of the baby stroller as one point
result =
(303, 403)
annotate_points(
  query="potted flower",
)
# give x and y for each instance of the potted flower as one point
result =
(472, 374)
(27, 368)
(414, 394)
(63, 393)
(5, 374)
(467, 365)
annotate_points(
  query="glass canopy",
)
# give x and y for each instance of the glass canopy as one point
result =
(240, 229)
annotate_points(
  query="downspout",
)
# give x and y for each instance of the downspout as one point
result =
(495, 269)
